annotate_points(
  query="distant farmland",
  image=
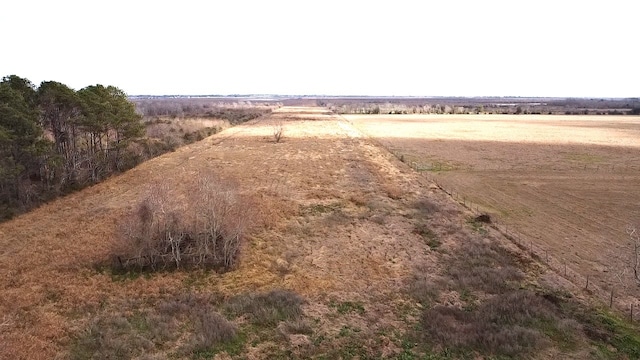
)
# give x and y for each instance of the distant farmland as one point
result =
(567, 184)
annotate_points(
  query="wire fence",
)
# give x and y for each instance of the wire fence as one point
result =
(510, 231)
(607, 169)
(525, 243)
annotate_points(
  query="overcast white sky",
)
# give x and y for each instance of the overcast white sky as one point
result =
(419, 48)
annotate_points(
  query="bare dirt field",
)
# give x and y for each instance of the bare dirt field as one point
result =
(353, 255)
(569, 185)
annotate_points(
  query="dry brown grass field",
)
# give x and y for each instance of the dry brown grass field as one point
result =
(353, 254)
(569, 185)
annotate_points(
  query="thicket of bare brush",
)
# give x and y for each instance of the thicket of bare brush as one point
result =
(199, 224)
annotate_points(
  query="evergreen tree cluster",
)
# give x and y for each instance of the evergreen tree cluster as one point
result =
(54, 139)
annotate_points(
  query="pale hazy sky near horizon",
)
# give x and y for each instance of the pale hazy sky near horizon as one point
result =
(418, 48)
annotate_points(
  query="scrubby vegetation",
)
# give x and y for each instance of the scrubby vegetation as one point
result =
(497, 314)
(268, 309)
(234, 111)
(512, 324)
(172, 123)
(189, 325)
(202, 224)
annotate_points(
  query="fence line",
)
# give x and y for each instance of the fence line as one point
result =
(540, 253)
(560, 267)
(621, 169)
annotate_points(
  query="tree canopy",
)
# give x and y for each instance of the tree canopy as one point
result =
(54, 139)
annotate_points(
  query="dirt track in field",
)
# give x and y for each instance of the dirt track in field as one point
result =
(568, 185)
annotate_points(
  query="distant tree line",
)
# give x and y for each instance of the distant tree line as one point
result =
(54, 139)
(539, 106)
(236, 112)
(174, 122)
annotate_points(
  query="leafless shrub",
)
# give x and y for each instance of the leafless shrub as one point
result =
(491, 280)
(379, 219)
(209, 328)
(233, 111)
(336, 218)
(505, 321)
(202, 227)
(278, 130)
(5, 322)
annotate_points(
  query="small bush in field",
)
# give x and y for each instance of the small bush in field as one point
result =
(278, 131)
(203, 226)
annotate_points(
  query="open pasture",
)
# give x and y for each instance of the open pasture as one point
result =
(568, 185)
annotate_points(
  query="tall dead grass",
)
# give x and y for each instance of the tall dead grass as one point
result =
(483, 265)
(182, 326)
(267, 309)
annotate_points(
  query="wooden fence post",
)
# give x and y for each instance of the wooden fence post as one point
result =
(611, 299)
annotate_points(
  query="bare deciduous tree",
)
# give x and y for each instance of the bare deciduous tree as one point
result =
(278, 130)
(201, 226)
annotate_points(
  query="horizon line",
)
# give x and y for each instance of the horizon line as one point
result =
(258, 95)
